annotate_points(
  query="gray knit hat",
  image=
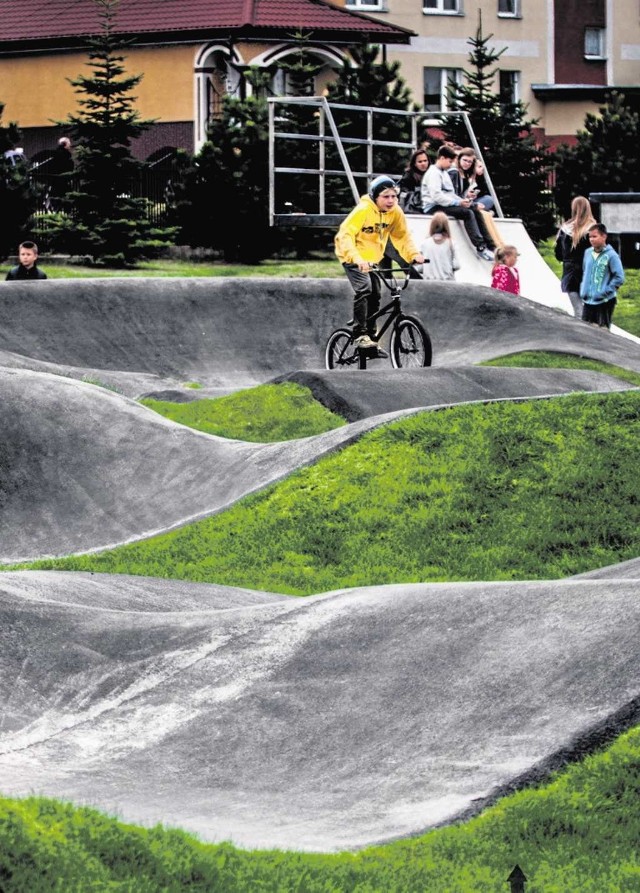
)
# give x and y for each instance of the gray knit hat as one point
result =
(379, 185)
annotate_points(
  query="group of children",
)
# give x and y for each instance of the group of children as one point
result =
(441, 261)
(363, 237)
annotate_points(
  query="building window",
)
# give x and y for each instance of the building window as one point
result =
(436, 84)
(509, 8)
(594, 43)
(378, 5)
(509, 86)
(442, 7)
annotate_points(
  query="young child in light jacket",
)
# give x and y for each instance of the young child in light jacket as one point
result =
(441, 261)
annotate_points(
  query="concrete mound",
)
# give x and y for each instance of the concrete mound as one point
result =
(323, 723)
(85, 469)
(364, 393)
(145, 335)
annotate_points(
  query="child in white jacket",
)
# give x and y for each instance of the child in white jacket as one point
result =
(439, 251)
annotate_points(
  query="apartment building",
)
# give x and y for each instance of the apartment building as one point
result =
(559, 57)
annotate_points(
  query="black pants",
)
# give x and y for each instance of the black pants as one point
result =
(469, 222)
(366, 299)
(600, 314)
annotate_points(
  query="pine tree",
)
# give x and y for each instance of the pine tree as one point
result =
(108, 221)
(518, 166)
(606, 157)
(378, 85)
(18, 197)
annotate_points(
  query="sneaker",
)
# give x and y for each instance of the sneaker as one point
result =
(485, 254)
(364, 341)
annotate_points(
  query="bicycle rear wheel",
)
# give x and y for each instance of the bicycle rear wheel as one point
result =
(410, 345)
(341, 352)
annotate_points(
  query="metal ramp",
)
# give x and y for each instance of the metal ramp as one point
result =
(322, 155)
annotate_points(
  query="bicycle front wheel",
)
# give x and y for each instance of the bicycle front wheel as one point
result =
(410, 345)
(341, 352)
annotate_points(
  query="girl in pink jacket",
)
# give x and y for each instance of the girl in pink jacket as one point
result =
(504, 275)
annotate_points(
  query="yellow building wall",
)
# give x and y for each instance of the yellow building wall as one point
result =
(36, 92)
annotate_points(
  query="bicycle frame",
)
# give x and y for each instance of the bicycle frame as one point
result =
(394, 308)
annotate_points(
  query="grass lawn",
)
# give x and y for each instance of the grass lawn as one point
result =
(541, 359)
(328, 268)
(264, 414)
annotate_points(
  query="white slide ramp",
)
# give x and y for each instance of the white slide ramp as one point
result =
(537, 281)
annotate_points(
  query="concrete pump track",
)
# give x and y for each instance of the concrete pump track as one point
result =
(320, 723)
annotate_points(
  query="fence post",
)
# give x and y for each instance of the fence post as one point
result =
(517, 879)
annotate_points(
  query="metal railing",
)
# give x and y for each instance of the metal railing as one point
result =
(322, 132)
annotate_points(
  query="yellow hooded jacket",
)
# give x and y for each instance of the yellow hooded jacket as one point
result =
(363, 235)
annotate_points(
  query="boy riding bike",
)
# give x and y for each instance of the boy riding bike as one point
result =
(361, 241)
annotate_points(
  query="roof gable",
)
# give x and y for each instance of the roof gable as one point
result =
(54, 22)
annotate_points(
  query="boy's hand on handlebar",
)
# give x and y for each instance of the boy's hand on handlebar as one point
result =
(364, 266)
(418, 259)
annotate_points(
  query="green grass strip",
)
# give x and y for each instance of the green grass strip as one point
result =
(547, 359)
(264, 414)
(579, 831)
(507, 491)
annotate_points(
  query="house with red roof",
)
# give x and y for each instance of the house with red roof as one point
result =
(190, 53)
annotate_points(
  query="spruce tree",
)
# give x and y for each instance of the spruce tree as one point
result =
(518, 166)
(606, 156)
(18, 198)
(109, 220)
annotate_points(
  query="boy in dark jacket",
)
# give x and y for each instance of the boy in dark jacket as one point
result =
(28, 266)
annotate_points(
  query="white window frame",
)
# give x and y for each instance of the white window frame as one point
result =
(437, 9)
(371, 5)
(600, 37)
(446, 76)
(514, 13)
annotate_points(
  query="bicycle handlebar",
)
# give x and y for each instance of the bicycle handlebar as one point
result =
(387, 275)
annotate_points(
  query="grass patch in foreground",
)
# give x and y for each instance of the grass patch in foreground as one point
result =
(265, 414)
(543, 359)
(579, 831)
(507, 491)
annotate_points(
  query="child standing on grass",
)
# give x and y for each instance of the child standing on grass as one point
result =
(602, 276)
(505, 276)
(438, 249)
(28, 266)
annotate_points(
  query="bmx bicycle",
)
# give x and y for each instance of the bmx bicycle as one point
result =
(409, 342)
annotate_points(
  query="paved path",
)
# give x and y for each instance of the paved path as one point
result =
(322, 723)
